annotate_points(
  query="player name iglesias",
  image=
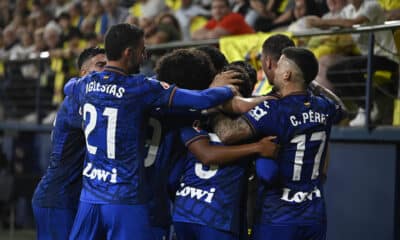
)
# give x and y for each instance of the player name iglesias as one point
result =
(111, 89)
(308, 117)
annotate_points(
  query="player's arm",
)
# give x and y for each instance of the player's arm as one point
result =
(318, 89)
(231, 130)
(165, 95)
(183, 98)
(221, 155)
(240, 105)
(266, 169)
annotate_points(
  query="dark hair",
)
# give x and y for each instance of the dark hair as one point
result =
(187, 68)
(227, 3)
(89, 53)
(274, 45)
(217, 58)
(64, 15)
(250, 82)
(119, 37)
(305, 60)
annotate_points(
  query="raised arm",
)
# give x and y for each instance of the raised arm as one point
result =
(208, 98)
(318, 89)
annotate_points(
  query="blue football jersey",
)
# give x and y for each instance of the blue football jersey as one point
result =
(164, 148)
(61, 184)
(302, 123)
(115, 109)
(210, 195)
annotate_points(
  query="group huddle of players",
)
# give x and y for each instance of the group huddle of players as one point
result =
(132, 155)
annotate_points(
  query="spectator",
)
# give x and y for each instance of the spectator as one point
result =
(24, 49)
(223, 23)
(10, 42)
(68, 30)
(391, 8)
(38, 43)
(165, 29)
(186, 14)
(113, 14)
(148, 8)
(52, 36)
(5, 13)
(331, 48)
(75, 13)
(301, 9)
(385, 54)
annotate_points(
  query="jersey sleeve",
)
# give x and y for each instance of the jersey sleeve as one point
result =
(72, 108)
(263, 118)
(192, 99)
(192, 133)
(266, 169)
(161, 93)
(69, 86)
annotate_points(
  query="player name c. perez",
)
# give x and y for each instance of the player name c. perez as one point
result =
(308, 117)
(111, 89)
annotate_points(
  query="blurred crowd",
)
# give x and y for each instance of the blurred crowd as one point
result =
(63, 28)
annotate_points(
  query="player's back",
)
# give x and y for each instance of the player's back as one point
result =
(210, 195)
(115, 109)
(302, 124)
(61, 184)
(164, 148)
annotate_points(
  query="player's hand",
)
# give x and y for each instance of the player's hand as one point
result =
(235, 89)
(226, 78)
(268, 148)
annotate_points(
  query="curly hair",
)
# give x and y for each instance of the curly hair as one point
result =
(187, 68)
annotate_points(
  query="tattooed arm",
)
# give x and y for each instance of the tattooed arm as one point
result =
(231, 130)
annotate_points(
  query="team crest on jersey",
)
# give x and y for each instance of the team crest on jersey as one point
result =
(196, 125)
(257, 112)
(164, 85)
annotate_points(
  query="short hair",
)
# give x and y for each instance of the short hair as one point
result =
(217, 58)
(248, 84)
(87, 54)
(305, 60)
(274, 45)
(227, 3)
(187, 68)
(119, 37)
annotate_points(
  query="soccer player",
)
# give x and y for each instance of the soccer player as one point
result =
(210, 201)
(56, 197)
(271, 52)
(291, 204)
(115, 108)
(164, 148)
(196, 72)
